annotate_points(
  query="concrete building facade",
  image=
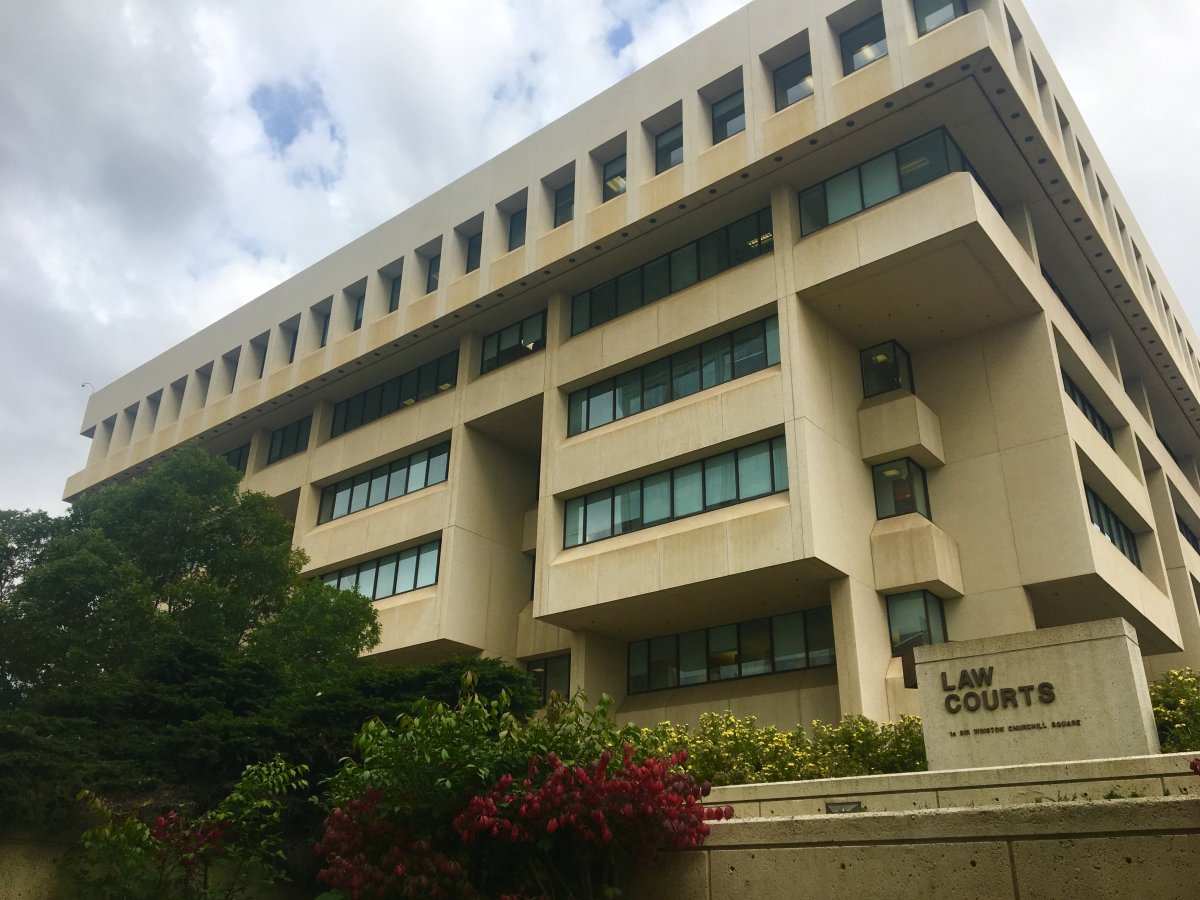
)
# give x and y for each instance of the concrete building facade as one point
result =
(825, 335)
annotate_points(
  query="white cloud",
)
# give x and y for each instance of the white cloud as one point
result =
(140, 197)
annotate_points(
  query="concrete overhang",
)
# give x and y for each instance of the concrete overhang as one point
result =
(927, 267)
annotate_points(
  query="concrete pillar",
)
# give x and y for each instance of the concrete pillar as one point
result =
(860, 636)
(101, 440)
(1107, 348)
(598, 666)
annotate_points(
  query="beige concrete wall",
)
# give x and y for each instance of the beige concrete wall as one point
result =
(1111, 848)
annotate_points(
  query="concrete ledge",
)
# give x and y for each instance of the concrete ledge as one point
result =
(1147, 776)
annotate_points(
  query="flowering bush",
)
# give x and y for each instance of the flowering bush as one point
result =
(1175, 697)
(433, 808)
(578, 826)
(724, 749)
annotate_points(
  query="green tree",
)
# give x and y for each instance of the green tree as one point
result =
(161, 633)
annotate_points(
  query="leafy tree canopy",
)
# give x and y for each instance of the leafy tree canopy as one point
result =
(160, 637)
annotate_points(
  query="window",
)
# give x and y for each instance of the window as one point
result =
(1085, 406)
(324, 321)
(1066, 305)
(786, 643)
(292, 336)
(564, 204)
(906, 168)
(433, 266)
(933, 14)
(1188, 534)
(394, 296)
(1112, 527)
(900, 489)
(793, 81)
(395, 479)
(886, 367)
(239, 456)
(474, 251)
(516, 228)
(728, 478)
(396, 573)
(509, 344)
(396, 393)
(863, 44)
(668, 149)
(289, 440)
(614, 178)
(915, 619)
(728, 117)
(697, 368)
(551, 675)
(740, 242)
(359, 304)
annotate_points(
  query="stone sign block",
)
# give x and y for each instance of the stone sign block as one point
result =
(1064, 693)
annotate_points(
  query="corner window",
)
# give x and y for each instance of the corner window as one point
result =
(668, 149)
(510, 344)
(433, 267)
(564, 204)
(551, 675)
(474, 251)
(614, 178)
(728, 116)
(933, 14)
(863, 44)
(886, 367)
(516, 228)
(900, 489)
(915, 619)
(241, 455)
(793, 81)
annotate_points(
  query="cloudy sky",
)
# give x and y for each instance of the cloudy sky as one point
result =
(163, 163)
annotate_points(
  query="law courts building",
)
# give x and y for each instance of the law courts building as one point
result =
(826, 335)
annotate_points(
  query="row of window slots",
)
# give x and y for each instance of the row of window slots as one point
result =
(792, 79)
(1079, 163)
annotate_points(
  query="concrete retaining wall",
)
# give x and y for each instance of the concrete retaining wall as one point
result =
(1147, 847)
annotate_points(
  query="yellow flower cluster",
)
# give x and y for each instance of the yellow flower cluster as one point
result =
(1175, 698)
(725, 749)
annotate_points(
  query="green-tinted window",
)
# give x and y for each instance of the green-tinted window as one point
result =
(516, 228)
(915, 619)
(391, 574)
(564, 204)
(668, 149)
(513, 342)
(933, 14)
(793, 81)
(614, 178)
(433, 267)
(900, 489)
(386, 482)
(474, 251)
(863, 44)
(397, 393)
(728, 116)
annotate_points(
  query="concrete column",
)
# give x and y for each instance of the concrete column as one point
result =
(123, 431)
(195, 392)
(598, 666)
(860, 636)
(171, 402)
(1137, 393)
(101, 440)
(1107, 348)
(147, 416)
(1016, 216)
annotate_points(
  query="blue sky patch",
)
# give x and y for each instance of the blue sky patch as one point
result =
(619, 38)
(285, 110)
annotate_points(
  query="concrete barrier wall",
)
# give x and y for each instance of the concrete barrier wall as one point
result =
(1130, 777)
(1148, 847)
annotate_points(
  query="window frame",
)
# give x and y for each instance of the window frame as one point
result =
(926, 598)
(402, 465)
(522, 348)
(564, 204)
(848, 51)
(664, 153)
(607, 175)
(919, 498)
(959, 7)
(726, 121)
(517, 220)
(474, 252)
(804, 59)
(433, 267)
